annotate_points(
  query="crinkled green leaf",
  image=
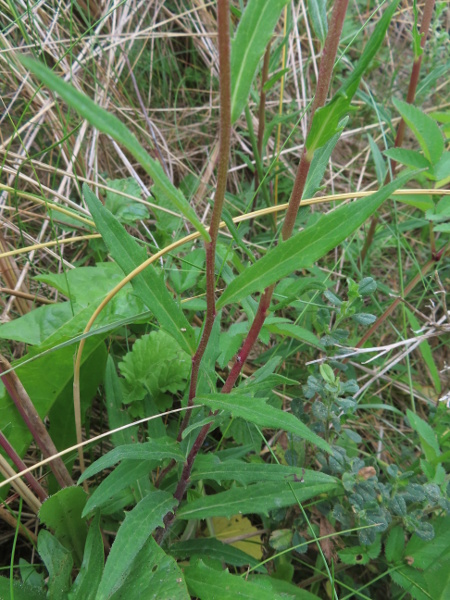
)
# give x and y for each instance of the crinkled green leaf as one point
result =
(156, 364)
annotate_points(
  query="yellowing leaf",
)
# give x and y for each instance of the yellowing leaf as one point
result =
(225, 529)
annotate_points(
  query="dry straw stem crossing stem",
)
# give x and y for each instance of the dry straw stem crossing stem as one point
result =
(240, 219)
(84, 443)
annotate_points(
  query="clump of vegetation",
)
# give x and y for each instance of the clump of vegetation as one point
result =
(225, 262)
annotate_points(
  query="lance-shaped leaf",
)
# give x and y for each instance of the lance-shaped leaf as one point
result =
(255, 410)
(304, 249)
(252, 36)
(111, 125)
(149, 286)
(133, 534)
(257, 498)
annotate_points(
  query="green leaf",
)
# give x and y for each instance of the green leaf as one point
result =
(109, 124)
(108, 495)
(117, 417)
(257, 498)
(367, 286)
(249, 44)
(148, 284)
(38, 324)
(281, 588)
(427, 436)
(305, 248)
(155, 449)
(364, 318)
(88, 579)
(62, 513)
(49, 383)
(380, 165)
(317, 11)
(296, 332)
(370, 49)
(327, 373)
(395, 544)
(21, 591)
(318, 166)
(328, 122)
(213, 548)
(152, 576)
(169, 371)
(255, 410)
(134, 532)
(410, 158)
(424, 128)
(206, 583)
(123, 208)
(59, 563)
(209, 466)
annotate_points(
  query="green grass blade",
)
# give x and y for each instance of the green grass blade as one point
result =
(111, 125)
(252, 36)
(304, 249)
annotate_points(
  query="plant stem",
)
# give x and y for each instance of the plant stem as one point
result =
(30, 479)
(223, 25)
(323, 85)
(34, 423)
(330, 51)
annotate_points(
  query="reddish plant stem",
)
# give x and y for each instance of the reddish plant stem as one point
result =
(323, 85)
(329, 54)
(34, 423)
(223, 26)
(250, 340)
(325, 71)
(413, 82)
(32, 482)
